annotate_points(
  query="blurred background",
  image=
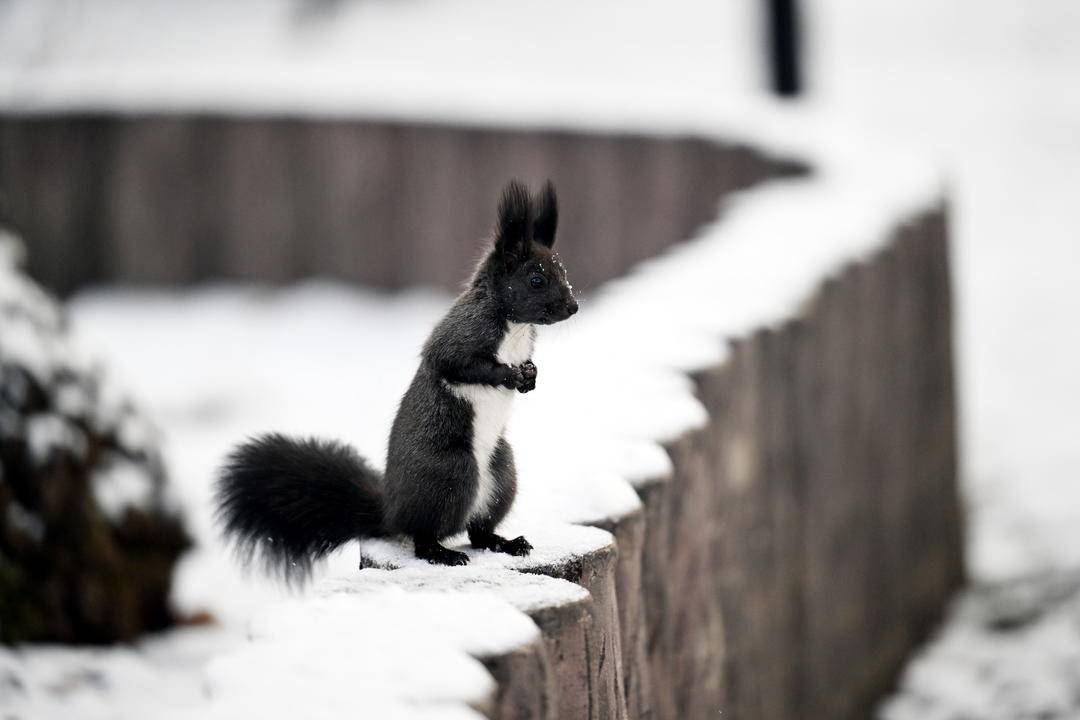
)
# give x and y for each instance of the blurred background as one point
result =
(151, 146)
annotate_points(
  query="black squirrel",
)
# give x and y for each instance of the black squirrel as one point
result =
(448, 468)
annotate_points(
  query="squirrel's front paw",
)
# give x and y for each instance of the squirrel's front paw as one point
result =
(515, 378)
(528, 377)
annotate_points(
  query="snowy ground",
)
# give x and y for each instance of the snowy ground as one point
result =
(1011, 650)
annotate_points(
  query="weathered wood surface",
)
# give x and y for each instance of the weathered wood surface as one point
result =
(810, 535)
(604, 694)
(629, 534)
(172, 200)
(525, 683)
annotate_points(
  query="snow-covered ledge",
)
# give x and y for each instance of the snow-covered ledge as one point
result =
(739, 474)
(759, 427)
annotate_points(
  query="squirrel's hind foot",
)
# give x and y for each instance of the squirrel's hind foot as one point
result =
(436, 554)
(517, 547)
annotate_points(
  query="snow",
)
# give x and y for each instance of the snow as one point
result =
(528, 592)
(417, 57)
(45, 682)
(382, 652)
(46, 434)
(553, 546)
(1007, 651)
(74, 401)
(31, 323)
(119, 485)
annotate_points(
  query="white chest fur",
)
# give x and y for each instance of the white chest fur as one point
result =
(491, 410)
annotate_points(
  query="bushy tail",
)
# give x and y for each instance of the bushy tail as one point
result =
(292, 501)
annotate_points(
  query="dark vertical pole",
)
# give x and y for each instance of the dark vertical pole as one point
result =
(784, 47)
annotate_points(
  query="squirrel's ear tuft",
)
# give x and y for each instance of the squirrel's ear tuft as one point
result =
(547, 216)
(513, 234)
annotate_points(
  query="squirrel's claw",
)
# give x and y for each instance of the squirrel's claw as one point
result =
(436, 554)
(528, 376)
(518, 547)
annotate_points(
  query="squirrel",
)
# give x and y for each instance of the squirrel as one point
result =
(449, 468)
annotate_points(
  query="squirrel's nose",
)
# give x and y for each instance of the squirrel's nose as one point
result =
(571, 306)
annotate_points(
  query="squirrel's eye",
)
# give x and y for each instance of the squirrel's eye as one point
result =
(537, 281)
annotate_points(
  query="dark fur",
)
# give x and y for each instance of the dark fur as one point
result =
(294, 501)
(297, 500)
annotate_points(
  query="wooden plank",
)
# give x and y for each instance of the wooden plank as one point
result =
(51, 174)
(261, 230)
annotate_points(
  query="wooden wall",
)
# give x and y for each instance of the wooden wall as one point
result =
(811, 534)
(173, 200)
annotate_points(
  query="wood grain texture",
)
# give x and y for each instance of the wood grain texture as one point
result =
(183, 199)
(812, 531)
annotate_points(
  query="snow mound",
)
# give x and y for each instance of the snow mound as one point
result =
(388, 651)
